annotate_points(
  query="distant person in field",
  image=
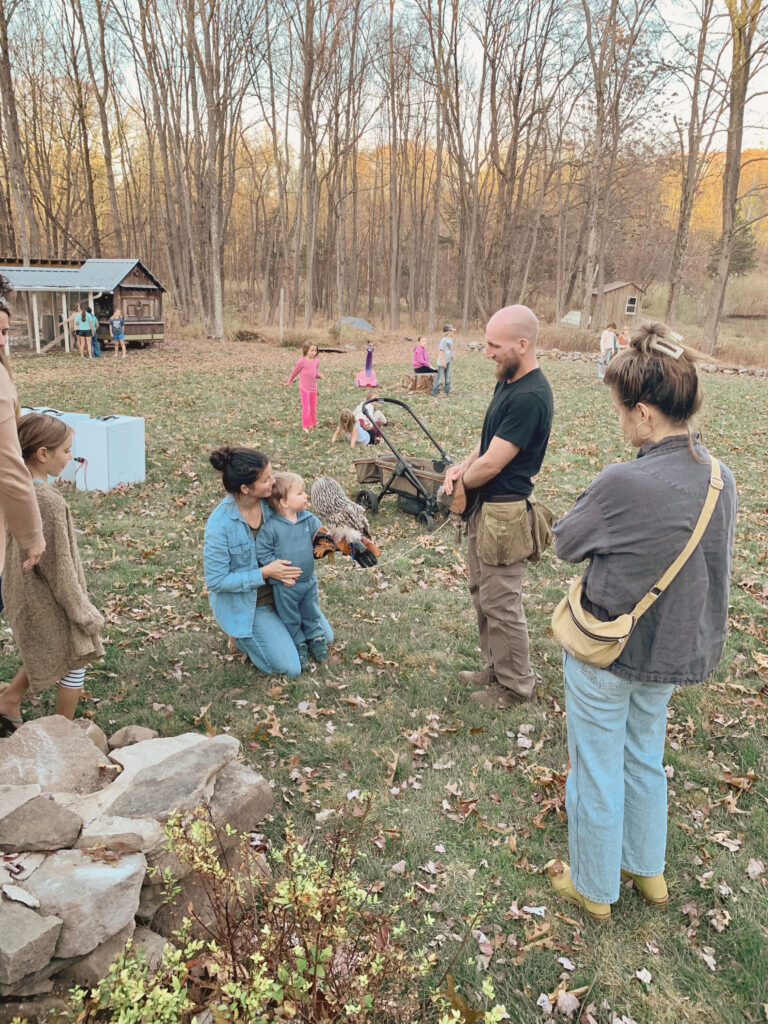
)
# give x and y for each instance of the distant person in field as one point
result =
(308, 372)
(117, 330)
(631, 523)
(609, 343)
(420, 360)
(444, 360)
(350, 429)
(83, 330)
(499, 475)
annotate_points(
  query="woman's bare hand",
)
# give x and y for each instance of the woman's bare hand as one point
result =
(281, 570)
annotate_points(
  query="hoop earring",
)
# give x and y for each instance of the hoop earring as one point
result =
(648, 436)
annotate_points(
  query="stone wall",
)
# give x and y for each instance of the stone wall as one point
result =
(81, 822)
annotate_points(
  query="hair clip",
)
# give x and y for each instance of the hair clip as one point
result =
(667, 348)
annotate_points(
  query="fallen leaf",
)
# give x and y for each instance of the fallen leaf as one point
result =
(755, 868)
(544, 1004)
(567, 1004)
(707, 955)
(720, 918)
(644, 975)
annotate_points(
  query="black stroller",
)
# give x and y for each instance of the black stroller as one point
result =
(415, 481)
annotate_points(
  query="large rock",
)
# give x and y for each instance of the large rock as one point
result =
(13, 797)
(94, 898)
(89, 971)
(136, 835)
(159, 776)
(129, 735)
(241, 798)
(39, 824)
(192, 899)
(148, 753)
(50, 1010)
(56, 755)
(37, 982)
(181, 782)
(27, 941)
(151, 945)
(94, 733)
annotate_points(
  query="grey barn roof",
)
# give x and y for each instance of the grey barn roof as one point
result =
(93, 276)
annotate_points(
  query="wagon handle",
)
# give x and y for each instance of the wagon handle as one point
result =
(403, 405)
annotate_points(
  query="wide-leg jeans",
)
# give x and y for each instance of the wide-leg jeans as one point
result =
(616, 793)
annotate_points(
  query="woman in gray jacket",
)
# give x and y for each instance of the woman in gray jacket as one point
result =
(631, 523)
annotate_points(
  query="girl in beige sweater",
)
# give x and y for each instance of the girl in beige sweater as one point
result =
(55, 626)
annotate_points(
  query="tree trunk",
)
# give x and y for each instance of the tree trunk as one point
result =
(744, 17)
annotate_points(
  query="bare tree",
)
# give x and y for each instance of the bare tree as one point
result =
(747, 20)
(700, 75)
(27, 229)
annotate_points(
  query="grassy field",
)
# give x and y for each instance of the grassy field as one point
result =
(467, 803)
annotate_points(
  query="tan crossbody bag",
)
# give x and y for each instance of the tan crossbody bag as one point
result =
(600, 643)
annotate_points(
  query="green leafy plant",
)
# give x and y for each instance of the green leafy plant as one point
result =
(306, 942)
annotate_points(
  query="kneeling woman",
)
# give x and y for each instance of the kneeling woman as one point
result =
(239, 591)
(632, 522)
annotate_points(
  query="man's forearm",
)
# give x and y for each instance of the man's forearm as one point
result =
(470, 460)
(479, 472)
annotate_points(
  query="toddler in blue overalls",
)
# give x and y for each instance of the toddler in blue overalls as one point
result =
(288, 534)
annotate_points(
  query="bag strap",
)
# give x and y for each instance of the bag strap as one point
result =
(713, 493)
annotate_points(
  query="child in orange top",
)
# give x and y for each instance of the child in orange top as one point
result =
(308, 373)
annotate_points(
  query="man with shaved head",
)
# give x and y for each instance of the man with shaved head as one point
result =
(498, 478)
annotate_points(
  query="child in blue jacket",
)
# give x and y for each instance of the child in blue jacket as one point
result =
(288, 534)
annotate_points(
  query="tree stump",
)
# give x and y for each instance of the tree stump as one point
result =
(419, 381)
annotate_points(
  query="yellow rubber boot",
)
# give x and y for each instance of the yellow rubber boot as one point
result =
(652, 888)
(559, 875)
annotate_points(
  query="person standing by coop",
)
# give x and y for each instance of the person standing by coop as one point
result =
(500, 529)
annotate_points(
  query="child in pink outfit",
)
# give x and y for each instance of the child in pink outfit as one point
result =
(306, 369)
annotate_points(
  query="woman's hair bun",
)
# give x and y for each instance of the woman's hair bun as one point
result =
(219, 458)
(643, 339)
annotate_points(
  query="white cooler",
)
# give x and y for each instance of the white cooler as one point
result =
(73, 469)
(113, 447)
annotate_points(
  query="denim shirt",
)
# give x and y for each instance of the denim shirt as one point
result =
(232, 573)
(632, 522)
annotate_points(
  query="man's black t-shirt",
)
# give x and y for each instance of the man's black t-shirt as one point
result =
(520, 412)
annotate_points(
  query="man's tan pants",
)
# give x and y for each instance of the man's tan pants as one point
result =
(497, 595)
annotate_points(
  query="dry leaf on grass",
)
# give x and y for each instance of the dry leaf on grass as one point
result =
(755, 868)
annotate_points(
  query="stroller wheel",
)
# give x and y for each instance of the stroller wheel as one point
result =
(368, 500)
(426, 520)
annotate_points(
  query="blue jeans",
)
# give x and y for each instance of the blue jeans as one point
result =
(299, 609)
(444, 378)
(270, 647)
(616, 793)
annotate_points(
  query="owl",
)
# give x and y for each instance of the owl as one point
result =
(344, 520)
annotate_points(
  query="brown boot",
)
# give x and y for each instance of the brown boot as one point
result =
(497, 696)
(477, 678)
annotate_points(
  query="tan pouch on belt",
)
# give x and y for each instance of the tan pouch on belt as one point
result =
(542, 530)
(504, 533)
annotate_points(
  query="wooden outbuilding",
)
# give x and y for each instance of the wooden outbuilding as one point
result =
(52, 290)
(622, 302)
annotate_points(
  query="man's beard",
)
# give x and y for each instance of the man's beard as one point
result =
(507, 369)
